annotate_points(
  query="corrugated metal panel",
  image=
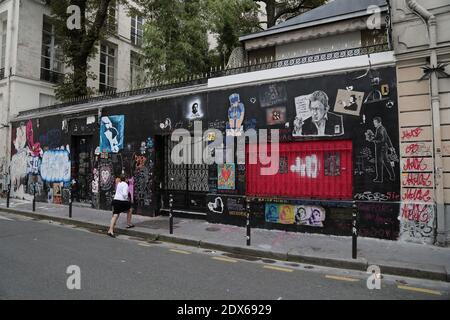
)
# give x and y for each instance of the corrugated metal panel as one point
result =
(308, 174)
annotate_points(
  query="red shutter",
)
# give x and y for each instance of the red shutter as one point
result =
(306, 175)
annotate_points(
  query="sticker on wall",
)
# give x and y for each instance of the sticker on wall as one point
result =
(194, 109)
(349, 102)
(106, 176)
(112, 133)
(276, 115)
(332, 164)
(166, 124)
(226, 176)
(385, 89)
(272, 95)
(313, 117)
(236, 113)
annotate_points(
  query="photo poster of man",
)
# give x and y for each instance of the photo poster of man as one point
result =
(314, 118)
(349, 102)
(112, 133)
(194, 109)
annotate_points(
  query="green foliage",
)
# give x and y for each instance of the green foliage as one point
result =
(175, 40)
(231, 19)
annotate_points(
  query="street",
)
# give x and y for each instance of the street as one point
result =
(35, 256)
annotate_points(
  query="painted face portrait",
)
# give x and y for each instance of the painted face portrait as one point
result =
(318, 111)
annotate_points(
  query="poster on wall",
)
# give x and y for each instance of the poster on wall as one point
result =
(272, 95)
(314, 118)
(292, 214)
(276, 115)
(349, 102)
(112, 134)
(226, 176)
(194, 109)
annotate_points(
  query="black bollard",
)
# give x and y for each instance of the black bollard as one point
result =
(8, 195)
(70, 203)
(34, 197)
(354, 231)
(171, 213)
(248, 225)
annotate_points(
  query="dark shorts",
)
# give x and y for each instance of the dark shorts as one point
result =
(120, 206)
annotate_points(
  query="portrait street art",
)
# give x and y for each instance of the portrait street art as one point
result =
(236, 113)
(112, 133)
(314, 118)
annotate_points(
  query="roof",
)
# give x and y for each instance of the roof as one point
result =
(336, 10)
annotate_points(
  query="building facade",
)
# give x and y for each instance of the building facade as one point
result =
(422, 49)
(31, 60)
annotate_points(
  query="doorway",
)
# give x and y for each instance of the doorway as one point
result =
(81, 167)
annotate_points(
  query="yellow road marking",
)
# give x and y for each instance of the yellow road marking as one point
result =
(341, 278)
(419, 290)
(179, 251)
(224, 259)
(144, 245)
(278, 268)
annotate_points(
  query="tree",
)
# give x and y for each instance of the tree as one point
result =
(285, 9)
(229, 20)
(175, 40)
(79, 44)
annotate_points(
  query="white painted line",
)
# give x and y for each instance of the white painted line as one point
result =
(179, 251)
(224, 259)
(4, 218)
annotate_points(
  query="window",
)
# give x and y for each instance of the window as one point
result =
(111, 19)
(107, 68)
(136, 30)
(137, 73)
(4, 30)
(314, 169)
(52, 64)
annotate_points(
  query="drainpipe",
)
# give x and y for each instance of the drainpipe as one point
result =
(435, 111)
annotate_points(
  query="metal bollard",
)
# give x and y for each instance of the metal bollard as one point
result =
(355, 231)
(171, 213)
(8, 195)
(248, 225)
(34, 197)
(70, 203)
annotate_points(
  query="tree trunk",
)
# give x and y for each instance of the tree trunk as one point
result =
(80, 78)
(270, 10)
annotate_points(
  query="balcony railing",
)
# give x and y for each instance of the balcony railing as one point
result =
(203, 79)
(51, 76)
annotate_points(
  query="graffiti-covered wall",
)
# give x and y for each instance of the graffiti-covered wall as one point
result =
(338, 142)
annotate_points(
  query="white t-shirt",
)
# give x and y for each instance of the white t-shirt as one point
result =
(121, 192)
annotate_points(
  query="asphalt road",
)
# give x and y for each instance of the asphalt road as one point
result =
(35, 255)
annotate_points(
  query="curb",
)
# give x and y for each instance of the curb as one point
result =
(429, 272)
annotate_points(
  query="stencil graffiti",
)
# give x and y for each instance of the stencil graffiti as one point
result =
(95, 181)
(55, 166)
(385, 154)
(307, 167)
(417, 223)
(112, 133)
(194, 110)
(300, 215)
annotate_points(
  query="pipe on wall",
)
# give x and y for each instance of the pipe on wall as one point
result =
(430, 19)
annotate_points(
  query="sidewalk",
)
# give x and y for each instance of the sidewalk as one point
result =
(405, 259)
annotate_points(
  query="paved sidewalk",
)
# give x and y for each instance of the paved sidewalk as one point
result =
(392, 257)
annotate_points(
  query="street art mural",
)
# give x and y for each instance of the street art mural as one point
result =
(236, 113)
(112, 133)
(55, 166)
(226, 176)
(290, 214)
(340, 152)
(417, 223)
(314, 117)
